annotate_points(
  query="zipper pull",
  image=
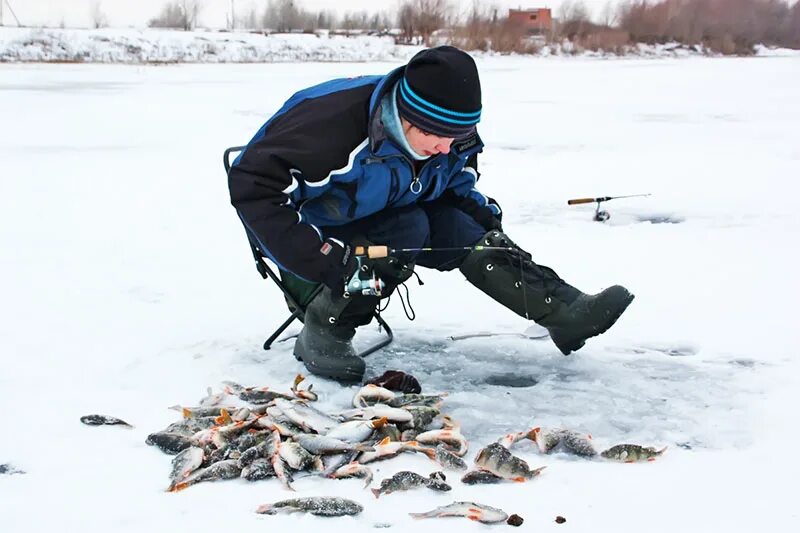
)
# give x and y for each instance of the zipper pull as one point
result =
(416, 186)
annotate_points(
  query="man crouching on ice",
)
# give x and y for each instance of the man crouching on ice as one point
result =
(392, 160)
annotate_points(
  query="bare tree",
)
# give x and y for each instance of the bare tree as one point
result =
(99, 19)
(178, 14)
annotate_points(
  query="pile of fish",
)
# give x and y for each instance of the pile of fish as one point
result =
(257, 433)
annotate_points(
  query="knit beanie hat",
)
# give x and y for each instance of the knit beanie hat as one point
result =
(440, 92)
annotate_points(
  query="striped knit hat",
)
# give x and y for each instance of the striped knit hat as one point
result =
(440, 92)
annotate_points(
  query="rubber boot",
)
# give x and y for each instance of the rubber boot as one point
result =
(324, 345)
(537, 293)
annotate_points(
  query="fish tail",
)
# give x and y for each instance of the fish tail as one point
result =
(376, 492)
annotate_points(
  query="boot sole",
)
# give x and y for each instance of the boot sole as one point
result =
(573, 346)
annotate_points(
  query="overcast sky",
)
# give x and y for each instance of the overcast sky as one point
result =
(123, 13)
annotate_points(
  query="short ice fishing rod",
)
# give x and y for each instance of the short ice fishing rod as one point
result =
(601, 216)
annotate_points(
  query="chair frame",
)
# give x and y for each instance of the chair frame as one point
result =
(299, 311)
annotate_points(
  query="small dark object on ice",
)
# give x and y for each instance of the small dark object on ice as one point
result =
(103, 420)
(9, 469)
(560, 520)
(397, 381)
(515, 520)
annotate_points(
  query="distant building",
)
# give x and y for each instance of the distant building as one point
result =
(538, 20)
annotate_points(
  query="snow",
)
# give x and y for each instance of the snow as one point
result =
(128, 287)
(117, 45)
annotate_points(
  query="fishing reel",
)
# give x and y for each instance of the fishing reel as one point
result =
(364, 280)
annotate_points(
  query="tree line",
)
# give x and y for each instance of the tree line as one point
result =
(727, 26)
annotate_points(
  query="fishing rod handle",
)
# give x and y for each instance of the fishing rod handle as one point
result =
(577, 201)
(373, 252)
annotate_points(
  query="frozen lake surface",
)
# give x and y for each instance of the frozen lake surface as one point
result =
(127, 286)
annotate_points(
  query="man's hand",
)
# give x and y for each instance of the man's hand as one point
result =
(342, 265)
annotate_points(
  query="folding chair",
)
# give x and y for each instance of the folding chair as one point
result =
(300, 297)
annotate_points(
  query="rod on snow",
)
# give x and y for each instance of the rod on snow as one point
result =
(601, 216)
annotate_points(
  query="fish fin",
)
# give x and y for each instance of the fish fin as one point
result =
(186, 412)
(651, 459)
(384, 441)
(379, 423)
(519, 479)
(265, 509)
(376, 492)
(662, 450)
(364, 448)
(178, 487)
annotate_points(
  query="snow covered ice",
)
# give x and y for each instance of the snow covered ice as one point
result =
(127, 287)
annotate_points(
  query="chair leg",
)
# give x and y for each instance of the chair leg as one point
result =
(280, 329)
(382, 344)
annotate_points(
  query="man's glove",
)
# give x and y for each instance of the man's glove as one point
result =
(341, 266)
(489, 216)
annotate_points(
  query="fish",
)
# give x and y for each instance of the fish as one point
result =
(262, 395)
(184, 464)
(201, 411)
(259, 469)
(499, 461)
(321, 444)
(170, 443)
(371, 394)
(227, 469)
(408, 435)
(103, 420)
(386, 449)
(282, 471)
(392, 414)
(335, 461)
(303, 394)
(304, 416)
(632, 453)
(422, 416)
(545, 439)
(480, 477)
(240, 414)
(297, 457)
(474, 511)
(213, 399)
(407, 480)
(389, 431)
(261, 450)
(426, 400)
(450, 437)
(319, 506)
(448, 459)
(7, 468)
(509, 439)
(356, 430)
(577, 443)
(353, 470)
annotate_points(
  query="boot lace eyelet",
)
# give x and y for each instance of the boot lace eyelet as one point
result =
(489, 266)
(346, 295)
(518, 284)
(548, 300)
(331, 320)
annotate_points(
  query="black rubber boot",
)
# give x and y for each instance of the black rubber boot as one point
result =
(537, 293)
(325, 342)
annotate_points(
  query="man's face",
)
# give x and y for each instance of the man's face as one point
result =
(425, 143)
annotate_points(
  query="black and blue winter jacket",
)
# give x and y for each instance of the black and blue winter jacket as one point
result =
(324, 159)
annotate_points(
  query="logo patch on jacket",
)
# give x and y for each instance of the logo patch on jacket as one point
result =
(326, 248)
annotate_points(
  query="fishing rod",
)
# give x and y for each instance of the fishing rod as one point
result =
(601, 216)
(378, 252)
